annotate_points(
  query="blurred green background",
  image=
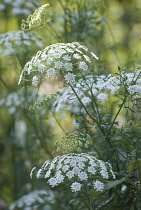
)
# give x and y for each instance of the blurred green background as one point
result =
(111, 29)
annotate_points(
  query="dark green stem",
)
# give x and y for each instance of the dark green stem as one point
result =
(87, 110)
(117, 114)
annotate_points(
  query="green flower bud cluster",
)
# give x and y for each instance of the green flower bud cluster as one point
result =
(38, 19)
(74, 142)
(46, 101)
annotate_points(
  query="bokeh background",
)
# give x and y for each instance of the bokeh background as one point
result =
(111, 29)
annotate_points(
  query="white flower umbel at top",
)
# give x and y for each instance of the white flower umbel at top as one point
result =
(77, 171)
(64, 59)
(38, 19)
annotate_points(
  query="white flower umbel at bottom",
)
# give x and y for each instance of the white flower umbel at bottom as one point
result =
(76, 171)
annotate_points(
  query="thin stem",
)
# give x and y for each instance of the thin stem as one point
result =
(114, 51)
(52, 34)
(38, 136)
(138, 167)
(57, 121)
(84, 202)
(87, 110)
(117, 114)
(133, 185)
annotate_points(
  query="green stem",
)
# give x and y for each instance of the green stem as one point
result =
(57, 121)
(138, 167)
(87, 110)
(84, 202)
(117, 114)
(37, 134)
(52, 34)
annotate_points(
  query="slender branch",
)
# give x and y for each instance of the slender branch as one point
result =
(94, 119)
(52, 34)
(138, 167)
(37, 134)
(84, 202)
(57, 121)
(117, 114)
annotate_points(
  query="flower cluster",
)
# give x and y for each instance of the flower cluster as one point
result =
(77, 170)
(63, 59)
(132, 81)
(9, 40)
(38, 19)
(19, 7)
(100, 87)
(35, 199)
(74, 142)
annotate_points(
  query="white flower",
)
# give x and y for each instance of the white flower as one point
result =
(56, 55)
(59, 166)
(47, 173)
(31, 173)
(91, 170)
(65, 168)
(76, 186)
(83, 176)
(49, 61)
(77, 56)
(39, 173)
(60, 178)
(76, 170)
(86, 100)
(53, 181)
(94, 56)
(69, 77)
(83, 66)
(35, 81)
(81, 165)
(67, 57)
(50, 72)
(98, 186)
(87, 58)
(70, 174)
(73, 163)
(104, 174)
(58, 64)
(68, 66)
(102, 97)
(29, 68)
(41, 68)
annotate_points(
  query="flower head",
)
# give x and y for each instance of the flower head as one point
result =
(75, 170)
(76, 186)
(58, 59)
(38, 19)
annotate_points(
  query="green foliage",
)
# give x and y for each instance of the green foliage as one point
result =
(97, 162)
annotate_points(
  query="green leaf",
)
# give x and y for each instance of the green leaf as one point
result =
(111, 184)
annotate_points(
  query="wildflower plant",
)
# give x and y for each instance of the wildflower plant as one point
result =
(98, 163)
